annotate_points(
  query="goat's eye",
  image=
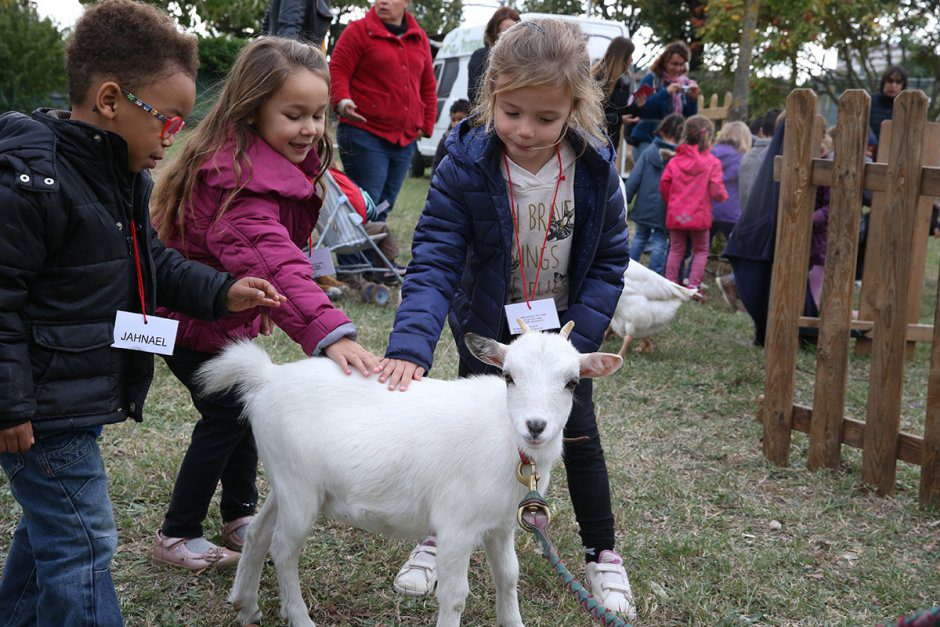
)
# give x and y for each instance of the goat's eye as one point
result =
(508, 378)
(571, 385)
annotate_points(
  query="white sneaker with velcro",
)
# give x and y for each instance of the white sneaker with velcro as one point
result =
(418, 575)
(607, 580)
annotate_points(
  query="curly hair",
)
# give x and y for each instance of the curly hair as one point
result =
(257, 74)
(132, 43)
(545, 53)
(677, 47)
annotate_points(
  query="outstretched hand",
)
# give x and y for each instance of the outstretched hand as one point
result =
(400, 373)
(18, 439)
(348, 353)
(252, 292)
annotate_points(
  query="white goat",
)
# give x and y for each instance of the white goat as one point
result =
(440, 456)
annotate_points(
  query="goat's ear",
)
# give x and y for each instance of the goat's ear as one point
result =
(486, 350)
(595, 365)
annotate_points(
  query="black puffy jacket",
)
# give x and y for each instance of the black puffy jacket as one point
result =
(66, 267)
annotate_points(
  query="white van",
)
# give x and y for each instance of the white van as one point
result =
(450, 67)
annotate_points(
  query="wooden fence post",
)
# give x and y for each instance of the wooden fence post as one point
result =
(930, 463)
(851, 139)
(788, 281)
(879, 459)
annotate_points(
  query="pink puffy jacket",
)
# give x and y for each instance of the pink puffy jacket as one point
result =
(260, 234)
(691, 180)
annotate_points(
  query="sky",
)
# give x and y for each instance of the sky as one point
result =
(66, 12)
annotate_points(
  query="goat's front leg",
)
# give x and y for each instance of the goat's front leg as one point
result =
(453, 562)
(294, 519)
(501, 555)
(244, 594)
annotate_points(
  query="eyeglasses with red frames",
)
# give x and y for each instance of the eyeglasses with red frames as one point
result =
(171, 126)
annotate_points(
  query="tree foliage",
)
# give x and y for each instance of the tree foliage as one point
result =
(32, 58)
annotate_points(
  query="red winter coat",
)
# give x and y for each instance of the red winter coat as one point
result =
(260, 234)
(690, 182)
(390, 79)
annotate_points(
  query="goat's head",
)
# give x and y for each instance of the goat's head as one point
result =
(541, 371)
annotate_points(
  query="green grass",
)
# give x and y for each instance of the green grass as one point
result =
(711, 533)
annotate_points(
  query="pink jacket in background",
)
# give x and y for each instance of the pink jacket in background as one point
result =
(690, 182)
(260, 234)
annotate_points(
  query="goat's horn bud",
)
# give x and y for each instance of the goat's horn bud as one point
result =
(566, 330)
(522, 325)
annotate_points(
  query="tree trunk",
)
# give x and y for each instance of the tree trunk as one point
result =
(742, 73)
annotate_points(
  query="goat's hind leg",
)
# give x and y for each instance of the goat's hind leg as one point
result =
(501, 556)
(294, 519)
(244, 593)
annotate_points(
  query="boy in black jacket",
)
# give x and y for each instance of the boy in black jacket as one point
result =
(77, 253)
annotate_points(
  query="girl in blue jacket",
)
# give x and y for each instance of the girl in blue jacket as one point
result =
(525, 207)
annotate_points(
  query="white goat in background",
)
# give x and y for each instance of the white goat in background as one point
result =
(441, 456)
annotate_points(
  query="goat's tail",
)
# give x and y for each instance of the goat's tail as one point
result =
(242, 365)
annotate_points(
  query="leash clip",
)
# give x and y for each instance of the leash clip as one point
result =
(533, 508)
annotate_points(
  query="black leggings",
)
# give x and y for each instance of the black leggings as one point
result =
(222, 449)
(588, 483)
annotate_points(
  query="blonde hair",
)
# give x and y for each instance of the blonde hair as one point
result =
(736, 134)
(698, 131)
(258, 73)
(545, 53)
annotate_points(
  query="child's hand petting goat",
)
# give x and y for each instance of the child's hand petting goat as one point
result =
(367, 472)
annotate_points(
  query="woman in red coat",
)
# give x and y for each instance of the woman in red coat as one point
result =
(385, 94)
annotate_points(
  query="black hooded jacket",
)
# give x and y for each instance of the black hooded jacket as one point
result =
(67, 201)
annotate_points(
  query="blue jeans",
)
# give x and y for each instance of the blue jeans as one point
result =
(374, 164)
(659, 244)
(57, 570)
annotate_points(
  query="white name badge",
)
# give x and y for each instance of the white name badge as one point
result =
(322, 262)
(541, 317)
(158, 335)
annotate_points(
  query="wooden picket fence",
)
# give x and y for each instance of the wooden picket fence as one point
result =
(895, 238)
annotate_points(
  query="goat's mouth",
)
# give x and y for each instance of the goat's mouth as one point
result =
(534, 441)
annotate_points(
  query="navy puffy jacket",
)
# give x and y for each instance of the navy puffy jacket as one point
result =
(462, 250)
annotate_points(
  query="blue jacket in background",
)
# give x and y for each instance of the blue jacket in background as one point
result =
(462, 250)
(657, 107)
(728, 210)
(643, 184)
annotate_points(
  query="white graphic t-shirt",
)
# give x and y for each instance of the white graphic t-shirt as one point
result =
(532, 199)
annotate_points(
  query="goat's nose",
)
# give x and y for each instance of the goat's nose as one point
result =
(536, 427)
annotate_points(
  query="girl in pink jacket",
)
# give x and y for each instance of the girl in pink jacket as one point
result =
(690, 182)
(241, 197)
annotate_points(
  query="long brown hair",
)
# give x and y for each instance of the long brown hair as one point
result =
(491, 34)
(698, 131)
(545, 53)
(259, 71)
(615, 64)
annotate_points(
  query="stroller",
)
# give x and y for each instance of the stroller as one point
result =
(340, 230)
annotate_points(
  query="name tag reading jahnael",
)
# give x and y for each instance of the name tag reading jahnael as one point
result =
(541, 317)
(158, 335)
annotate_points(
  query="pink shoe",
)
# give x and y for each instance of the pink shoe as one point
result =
(173, 551)
(233, 532)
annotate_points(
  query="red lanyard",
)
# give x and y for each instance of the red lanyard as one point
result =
(515, 225)
(140, 276)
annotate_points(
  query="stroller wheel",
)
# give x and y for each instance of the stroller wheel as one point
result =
(367, 292)
(381, 295)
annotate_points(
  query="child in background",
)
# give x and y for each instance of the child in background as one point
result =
(242, 197)
(458, 111)
(537, 158)
(734, 141)
(690, 182)
(649, 210)
(78, 257)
